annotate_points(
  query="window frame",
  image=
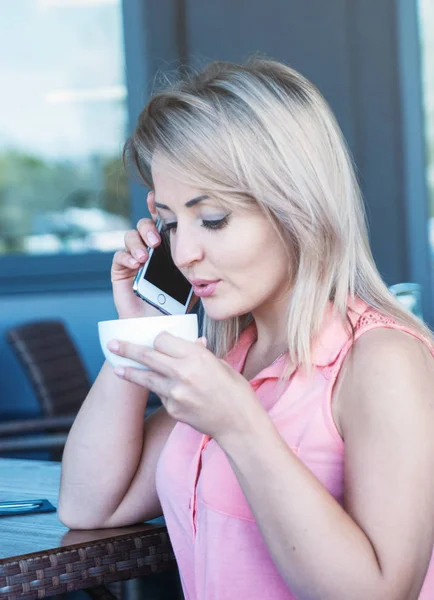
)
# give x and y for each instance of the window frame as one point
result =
(27, 273)
(414, 152)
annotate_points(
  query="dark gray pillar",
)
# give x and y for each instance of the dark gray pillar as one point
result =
(364, 57)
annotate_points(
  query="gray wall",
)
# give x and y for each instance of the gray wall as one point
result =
(349, 48)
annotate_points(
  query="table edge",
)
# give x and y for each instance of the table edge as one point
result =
(157, 529)
(81, 566)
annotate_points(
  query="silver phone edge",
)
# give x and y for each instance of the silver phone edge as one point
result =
(137, 278)
(136, 291)
(139, 295)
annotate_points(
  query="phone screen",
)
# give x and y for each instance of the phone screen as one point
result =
(164, 274)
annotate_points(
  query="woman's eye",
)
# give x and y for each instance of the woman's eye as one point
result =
(208, 224)
(216, 224)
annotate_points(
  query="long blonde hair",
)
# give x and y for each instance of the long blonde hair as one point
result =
(261, 135)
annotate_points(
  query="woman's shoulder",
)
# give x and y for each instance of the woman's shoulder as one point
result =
(387, 368)
(390, 347)
(378, 336)
(385, 346)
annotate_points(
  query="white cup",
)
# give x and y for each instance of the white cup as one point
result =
(143, 331)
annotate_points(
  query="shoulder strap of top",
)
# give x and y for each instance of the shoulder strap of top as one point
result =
(370, 319)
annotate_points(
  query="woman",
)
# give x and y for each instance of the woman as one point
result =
(294, 454)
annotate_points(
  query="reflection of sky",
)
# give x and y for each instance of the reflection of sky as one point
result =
(426, 19)
(426, 23)
(61, 77)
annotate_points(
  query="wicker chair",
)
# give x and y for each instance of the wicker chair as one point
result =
(60, 381)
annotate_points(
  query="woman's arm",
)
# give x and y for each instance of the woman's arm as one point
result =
(108, 466)
(379, 547)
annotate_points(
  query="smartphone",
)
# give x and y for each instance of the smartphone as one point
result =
(161, 283)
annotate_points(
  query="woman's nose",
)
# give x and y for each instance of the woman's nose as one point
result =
(186, 249)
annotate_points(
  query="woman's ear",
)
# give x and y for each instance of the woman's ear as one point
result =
(151, 205)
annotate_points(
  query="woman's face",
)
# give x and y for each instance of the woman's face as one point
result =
(237, 247)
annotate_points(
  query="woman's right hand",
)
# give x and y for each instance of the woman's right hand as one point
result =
(126, 264)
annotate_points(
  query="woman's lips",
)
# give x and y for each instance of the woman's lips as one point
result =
(204, 291)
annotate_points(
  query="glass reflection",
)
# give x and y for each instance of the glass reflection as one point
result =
(63, 119)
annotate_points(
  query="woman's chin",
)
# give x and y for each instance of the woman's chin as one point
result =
(220, 313)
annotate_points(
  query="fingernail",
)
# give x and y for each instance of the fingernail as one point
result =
(120, 371)
(153, 238)
(132, 261)
(113, 345)
(140, 253)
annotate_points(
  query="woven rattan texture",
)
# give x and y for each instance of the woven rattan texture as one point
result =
(96, 564)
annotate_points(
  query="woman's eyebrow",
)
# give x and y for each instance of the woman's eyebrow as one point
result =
(188, 204)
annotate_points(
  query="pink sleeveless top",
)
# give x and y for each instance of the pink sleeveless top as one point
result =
(219, 549)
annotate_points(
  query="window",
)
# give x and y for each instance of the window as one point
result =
(426, 25)
(63, 120)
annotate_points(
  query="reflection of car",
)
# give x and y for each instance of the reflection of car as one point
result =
(78, 220)
(95, 219)
(106, 241)
(76, 230)
(46, 243)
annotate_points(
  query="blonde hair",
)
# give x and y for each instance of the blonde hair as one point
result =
(261, 135)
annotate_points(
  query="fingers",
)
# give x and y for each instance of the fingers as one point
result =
(144, 355)
(148, 232)
(166, 347)
(176, 347)
(135, 247)
(152, 381)
(137, 244)
(202, 341)
(124, 259)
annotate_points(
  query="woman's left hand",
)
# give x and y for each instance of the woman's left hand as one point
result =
(194, 386)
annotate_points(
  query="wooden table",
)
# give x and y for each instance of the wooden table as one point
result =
(40, 557)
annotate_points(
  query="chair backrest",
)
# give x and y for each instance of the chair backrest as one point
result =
(53, 365)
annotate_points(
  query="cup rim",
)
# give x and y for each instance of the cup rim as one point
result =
(147, 318)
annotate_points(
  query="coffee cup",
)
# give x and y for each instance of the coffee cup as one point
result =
(143, 331)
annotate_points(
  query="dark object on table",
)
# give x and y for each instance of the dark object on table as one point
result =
(24, 507)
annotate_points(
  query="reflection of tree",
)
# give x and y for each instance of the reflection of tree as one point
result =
(116, 188)
(31, 186)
